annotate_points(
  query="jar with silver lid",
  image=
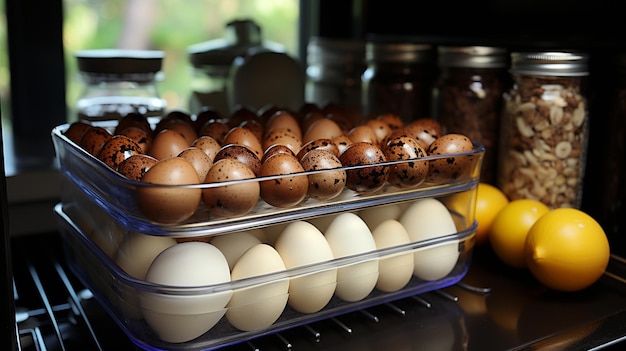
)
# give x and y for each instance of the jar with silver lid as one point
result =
(544, 128)
(117, 82)
(467, 97)
(399, 78)
(333, 72)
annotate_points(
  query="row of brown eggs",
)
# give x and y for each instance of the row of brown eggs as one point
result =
(271, 142)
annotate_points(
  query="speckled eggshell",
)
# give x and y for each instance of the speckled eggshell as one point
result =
(282, 136)
(380, 128)
(215, 129)
(276, 149)
(168, 143)
(424, 130)
(323, 128)
(328, 184)
(392, 120)
(322, 144)
(406, 174)
(200, 161)
(76, 130)
(169, 205)
(240, 153)
(363, 132)
(234, 199)
(365, 179)
(94, 139)
(133, 119)
(243, 136)
(139, 135)
(208, 144)
(443, 170)
(286, 120)
(117, 149)
(284, 191)
(136, 166)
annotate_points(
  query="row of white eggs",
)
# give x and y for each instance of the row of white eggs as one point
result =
(162, 260)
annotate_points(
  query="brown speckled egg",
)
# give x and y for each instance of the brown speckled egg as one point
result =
(322, 144)
(392, 120)
(209, 145)
(167, 143)
(309, 118)
(366, 179)
(284, 191)
(364, 133)
(284, 119)
(94, 139)
(282, 136)
(323, 128)
(169, 205)
(380, 128)
(185, 128)
(255, 126)
(240, 114)
(328, 184)
(425, 130)
(173, 116)
(136, 166)
(406, 174)
(117, 149)
(242, 154)
(76, 130)
(276, 149)
(204, 116)
(139, 135)
(133, 119)
(342, 143)
(243, 136)
(215, 129)
(230, 200)
(446, 169)
(200, 161)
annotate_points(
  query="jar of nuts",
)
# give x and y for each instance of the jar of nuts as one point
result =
(467, 97)
(544, 128)
(399, 77)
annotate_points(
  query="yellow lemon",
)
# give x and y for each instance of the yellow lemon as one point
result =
(567, 250)
(510, 228)
(489, 201)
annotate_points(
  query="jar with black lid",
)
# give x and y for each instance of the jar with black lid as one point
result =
(399, 77)
(544, 128)
(467, 97)
(117, 82)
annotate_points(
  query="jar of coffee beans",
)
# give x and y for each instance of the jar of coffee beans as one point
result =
(467, 97)
(544, 128)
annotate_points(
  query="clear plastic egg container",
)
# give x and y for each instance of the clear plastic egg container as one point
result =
(89, 178)
(179, 293)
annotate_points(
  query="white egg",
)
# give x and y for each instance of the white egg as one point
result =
(135, 255)
(394, 269)
(302, 244)
(233, 245)
(348, 235)
(183, 317)
(137, 251)
(374, 216)
(258, 306)
(426, 219)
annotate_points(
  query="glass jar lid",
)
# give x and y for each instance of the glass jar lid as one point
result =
(551, 63)
(119, 61)
(472, 56)
(398, 49)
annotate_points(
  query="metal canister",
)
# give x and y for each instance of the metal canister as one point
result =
(544, 128)
(467, 97)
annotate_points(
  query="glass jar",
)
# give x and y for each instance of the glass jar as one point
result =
(544, 128)
(467, 97)
(212, 60)
(117, 82)
(333, 73)
(399, 78)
